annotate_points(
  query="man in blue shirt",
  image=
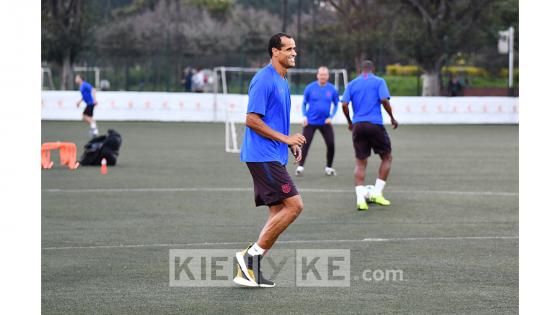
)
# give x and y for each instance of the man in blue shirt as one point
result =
(88, 97)
(367, 93)
(265, 150)
(317, 114)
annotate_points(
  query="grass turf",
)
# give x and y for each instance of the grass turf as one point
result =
(446, 181)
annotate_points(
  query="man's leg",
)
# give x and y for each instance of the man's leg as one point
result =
(362, 150)
(308, 133)
(328, 134)
(359, 179)
(280, 217)
(385, 166)
(92, 125)
(360, 172)
(384, 169)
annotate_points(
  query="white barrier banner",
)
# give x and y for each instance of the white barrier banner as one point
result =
(205, 107)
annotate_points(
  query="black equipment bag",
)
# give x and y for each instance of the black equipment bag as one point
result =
(98, 148)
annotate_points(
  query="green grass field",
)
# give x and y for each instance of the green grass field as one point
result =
(452, 228)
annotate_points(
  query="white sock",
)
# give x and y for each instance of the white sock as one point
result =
(93, 125)
(255, 250)
(378, 187)
(360, 194)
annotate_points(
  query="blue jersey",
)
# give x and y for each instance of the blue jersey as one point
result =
(365, 93)
(319, 99)
(269, 96)
(85, 89)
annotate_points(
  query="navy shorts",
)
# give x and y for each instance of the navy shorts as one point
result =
(89, 111)
(367, 136)
(272, 183)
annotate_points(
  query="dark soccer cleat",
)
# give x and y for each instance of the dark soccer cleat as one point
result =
(261, 280)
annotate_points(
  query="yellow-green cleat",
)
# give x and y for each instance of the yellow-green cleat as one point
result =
(380, 200)
(362, 206)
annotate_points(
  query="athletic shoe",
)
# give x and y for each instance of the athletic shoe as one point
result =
(93, 132)
(250, 267)
(241, 279)
(299, 171)
(329, 171)
(380, 200)
(362, 206)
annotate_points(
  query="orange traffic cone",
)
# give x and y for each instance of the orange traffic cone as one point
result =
(104, 166)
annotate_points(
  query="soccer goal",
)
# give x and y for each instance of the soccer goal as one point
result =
(236, 80)
(46, 78)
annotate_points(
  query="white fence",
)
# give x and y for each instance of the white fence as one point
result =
(203, 107)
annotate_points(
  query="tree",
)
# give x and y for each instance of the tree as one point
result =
(64, 34)
(431, 31)
(362, 26)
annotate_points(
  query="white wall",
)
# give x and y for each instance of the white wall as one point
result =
(162, 106)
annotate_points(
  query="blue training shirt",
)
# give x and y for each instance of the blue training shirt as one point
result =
(365, 93)
(269, 96)
(319, 99)
(85, 89)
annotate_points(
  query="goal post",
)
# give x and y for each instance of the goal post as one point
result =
(46, 72)
(236, 80)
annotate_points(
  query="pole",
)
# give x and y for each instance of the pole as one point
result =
(313, 41)
(511, 41)
(284, 15)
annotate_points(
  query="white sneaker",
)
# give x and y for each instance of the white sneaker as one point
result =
(329, 171)
(299, 171)
(93, 133)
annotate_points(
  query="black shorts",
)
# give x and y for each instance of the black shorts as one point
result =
(367, 136)
(272, 183)
(89, 111)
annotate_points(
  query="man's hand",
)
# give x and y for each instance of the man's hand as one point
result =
(297, 139)
(296, 151)
(395, 123)
(350, 126)
(328, 121)
(78, 103)
(305, 121)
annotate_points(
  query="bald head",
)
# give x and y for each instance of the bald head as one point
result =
(367, 66)
(323, 75)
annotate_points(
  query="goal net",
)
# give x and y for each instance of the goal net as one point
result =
(235, 81)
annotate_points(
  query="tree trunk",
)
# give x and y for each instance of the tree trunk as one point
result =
(430, 83)
(66, 77)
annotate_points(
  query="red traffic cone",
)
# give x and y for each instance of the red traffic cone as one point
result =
(104, 166)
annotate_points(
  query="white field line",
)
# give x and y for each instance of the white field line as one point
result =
(365, 240)
(303, 190)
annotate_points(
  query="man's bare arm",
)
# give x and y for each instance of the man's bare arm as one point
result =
(389, 111)
(94, 92)
(255, 122)
(346, 112)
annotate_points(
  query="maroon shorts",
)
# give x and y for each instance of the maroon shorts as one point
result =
(367, 136)
(88, 111)
(272, 183)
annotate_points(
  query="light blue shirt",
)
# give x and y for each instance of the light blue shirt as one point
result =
(269, 96)
(317, 102)
(365, 93)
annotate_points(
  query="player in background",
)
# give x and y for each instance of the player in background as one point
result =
(367, 93)
(317, 114)
(265, 150)
(89, 97)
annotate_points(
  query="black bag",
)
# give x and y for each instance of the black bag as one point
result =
(102, 147)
